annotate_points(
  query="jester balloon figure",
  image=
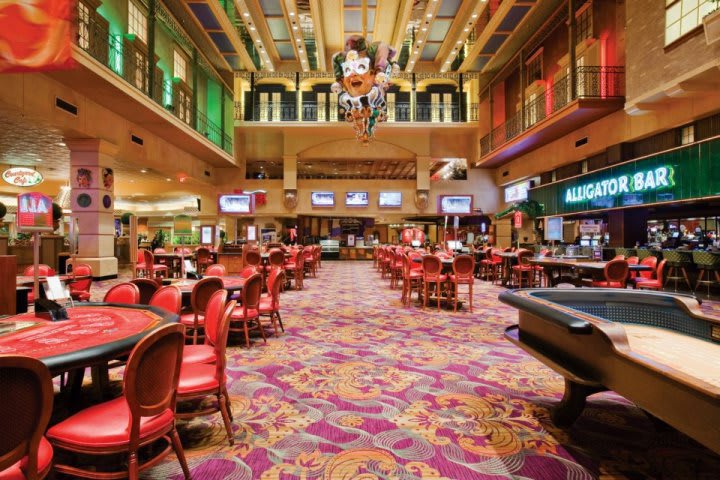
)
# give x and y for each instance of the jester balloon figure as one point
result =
(363, 74)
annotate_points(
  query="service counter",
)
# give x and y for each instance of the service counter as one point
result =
(231, 257)
(356, 253)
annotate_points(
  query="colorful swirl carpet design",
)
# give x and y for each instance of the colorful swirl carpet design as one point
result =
(361, 387)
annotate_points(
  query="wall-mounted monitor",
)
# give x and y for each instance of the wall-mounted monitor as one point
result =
(322, 199)
(554, 228)
(356, 199)
(455, 204)
(517, 192)
(390, 199)
(236, 204)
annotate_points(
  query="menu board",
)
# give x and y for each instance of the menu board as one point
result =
(34, 212)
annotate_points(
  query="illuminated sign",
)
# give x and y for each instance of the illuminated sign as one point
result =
(517, 192)
(22, 176)
(34, 212)
(650, 180)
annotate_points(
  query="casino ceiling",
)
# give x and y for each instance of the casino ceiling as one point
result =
(429, 35)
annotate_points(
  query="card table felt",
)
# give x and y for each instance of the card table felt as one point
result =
(658, 350)
(553, 268)
(231, 284)
(94, 334)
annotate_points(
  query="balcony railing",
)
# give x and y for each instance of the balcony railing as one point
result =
(120, 54)
(314, 112)
(590, 83)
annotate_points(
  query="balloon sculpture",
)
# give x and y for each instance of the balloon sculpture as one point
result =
(363, 74)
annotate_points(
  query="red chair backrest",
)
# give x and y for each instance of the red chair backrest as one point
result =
(247, 272)
(26, 408)
(159, 250)
(213, 313)
(202, 255)
(85, 283)
(147, 289)
(619, 257)
(203, 291)
(127, 293)
(464, 266)
(660, 272)
(432, 266)
(215, 270)
(649, 261)
(276, 257)
(274, 282)
(223, 330)
(632, 260)
(252, 257)
(523, 256)
(252, 288)
(151, 375)
(415, 265)
(149, 258)
(616, 271)
(169, 298)
(43, 270)
(495, 255)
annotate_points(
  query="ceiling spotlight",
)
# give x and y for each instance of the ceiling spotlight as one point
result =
(297, 40)
(412, 62)
(300, 50)
(467, 29)
(292, 14)
(417, 51)
(429, 15)
(258, 40)
(143, 170)
(62, 144)
(424, 29)
(294, 27)
(474, 15)
(168, 180)
(252, 29)
(419, 42)
(459, 42)
(246, 14)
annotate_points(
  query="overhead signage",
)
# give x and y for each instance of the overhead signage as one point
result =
(517, 219)
(517, 192)
(34, 212)
(22, 177)
(182, 224)
(645, 181)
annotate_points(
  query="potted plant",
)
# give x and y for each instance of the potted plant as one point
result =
(711, 22)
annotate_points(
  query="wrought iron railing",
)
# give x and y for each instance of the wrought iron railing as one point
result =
(329, 112)
(590, 82)
(120, 54)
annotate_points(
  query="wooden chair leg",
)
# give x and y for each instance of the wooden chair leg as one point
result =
(247, 333)
(222, 403)
(229, 404)
(179, 453)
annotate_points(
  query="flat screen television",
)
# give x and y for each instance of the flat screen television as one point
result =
(455, 204)
(322, 199)
(356, 199)
(390, 199)
(454, 245)
(236, 204)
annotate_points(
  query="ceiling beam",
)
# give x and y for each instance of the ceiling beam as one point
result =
(292, 23)
(431, 9)
(316, 14)
(333, 28)
(257, 20)
(401, 21)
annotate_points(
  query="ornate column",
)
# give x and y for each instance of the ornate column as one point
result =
(290, 198)
(93, 202)
(422, 185)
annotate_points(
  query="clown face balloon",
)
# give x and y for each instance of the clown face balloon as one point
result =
(363, 73)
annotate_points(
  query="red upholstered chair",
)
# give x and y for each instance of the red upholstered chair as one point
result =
(205, 352)
(252, 258)
(657, 283)
(127, 293)
(276, 259)
(199, 297)
(463, 269)
(619, 257)
(151, 268)
(215, 270)
(202, 259)
(396, 267)
(270, 302)
(432, 275)
(43, 271)
(147, 289)
(247, 313)
(524, 268)
(140, 265)
(143, 415)
(296, 271)
(168, 298)
(80, 289)
(412, 279)
(496, 264)
(615, 273)
(199, 380)
(26, 398)
(645, 275)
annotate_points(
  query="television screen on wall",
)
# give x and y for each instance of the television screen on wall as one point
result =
(356, 199)
(322, 199)
(455, 204)
(236, 204)
(390, 199)
(554, 228)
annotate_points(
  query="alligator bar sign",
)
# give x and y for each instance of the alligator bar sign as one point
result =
(656, 179)
(34, 212)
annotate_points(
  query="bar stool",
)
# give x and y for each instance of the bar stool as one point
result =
(709, 263)
(676, 263)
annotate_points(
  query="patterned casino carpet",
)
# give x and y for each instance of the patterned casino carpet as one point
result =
(360, 387)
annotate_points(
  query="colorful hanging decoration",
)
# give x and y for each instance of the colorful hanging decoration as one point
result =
(363, 74)
(35, 35)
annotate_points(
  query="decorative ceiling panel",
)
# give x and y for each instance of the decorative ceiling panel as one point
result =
(271, 7)
(449, 8)
(278, 29)
(205, 15)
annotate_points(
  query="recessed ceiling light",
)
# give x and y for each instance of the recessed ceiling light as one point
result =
(474, 15)
(447, 61)
(252, 29)
(168, 180)
(412, 62)
(62, 144)
(424, 29)
(143, 170)
(294, 28)
(417, 51)
(467, 29)
(429, 15)
(258, 40)
(292, 14)
(297, 40)
(459, 42)
(246, 14)
(38, 159)
(419, 41)
(300, 50)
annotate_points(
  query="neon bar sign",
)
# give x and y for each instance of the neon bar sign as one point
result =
(650, 180)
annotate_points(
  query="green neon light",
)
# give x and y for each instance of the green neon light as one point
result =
(646, 181)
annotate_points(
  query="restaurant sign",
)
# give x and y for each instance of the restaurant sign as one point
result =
(656, 179)
(34, 212)
(684, 173)
(22, 177)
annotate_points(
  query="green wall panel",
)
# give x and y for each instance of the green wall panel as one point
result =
(682, 174)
